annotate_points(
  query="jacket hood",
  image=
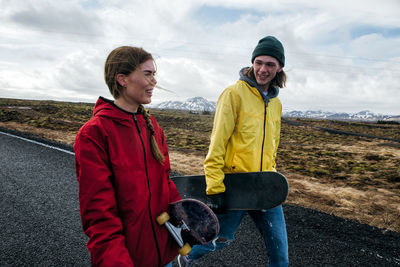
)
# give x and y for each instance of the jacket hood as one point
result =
(106, 108)
(272, 91)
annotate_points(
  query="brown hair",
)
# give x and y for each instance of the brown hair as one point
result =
(125, 60)
(279, 80)
(155, 149)
(122, 60)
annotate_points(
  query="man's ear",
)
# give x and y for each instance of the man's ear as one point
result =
(121, 79)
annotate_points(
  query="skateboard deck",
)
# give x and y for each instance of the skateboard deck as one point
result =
(190, 222)
(244, 191)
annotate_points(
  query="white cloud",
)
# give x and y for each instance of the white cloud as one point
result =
(340, 55)
(67, 17)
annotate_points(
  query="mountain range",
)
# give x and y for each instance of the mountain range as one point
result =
(193, 104)
(200, 104)
(364, 115)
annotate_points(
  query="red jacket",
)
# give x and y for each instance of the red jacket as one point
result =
(122, 189)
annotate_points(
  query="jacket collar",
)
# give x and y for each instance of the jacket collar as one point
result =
(106, 108)
(272, 91)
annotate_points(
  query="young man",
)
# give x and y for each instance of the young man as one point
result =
(245, 138)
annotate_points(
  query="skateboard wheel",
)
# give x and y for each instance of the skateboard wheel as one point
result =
(185, 249)
(162, 218)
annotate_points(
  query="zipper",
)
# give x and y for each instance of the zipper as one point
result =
(148, 187)
(262, 146)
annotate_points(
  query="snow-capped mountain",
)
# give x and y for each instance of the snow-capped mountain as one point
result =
(194, 104)
(364, 115)
(202, 104)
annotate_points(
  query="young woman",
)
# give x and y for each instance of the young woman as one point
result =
(123, 168)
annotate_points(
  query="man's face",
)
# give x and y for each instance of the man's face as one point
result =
(265, 69)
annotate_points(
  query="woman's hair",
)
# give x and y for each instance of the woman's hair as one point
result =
(155, 149)
(125, 60)
(279, 80)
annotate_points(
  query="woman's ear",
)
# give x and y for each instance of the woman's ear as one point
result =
(121, 79)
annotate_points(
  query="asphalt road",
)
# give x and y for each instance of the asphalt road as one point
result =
(40, 223)
(39, 213)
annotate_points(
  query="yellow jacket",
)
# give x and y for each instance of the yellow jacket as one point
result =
(245, 135)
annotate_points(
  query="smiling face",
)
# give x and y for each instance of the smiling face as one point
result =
(265, 69)
(138, 86)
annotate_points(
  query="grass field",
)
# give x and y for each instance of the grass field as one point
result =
(355, 177)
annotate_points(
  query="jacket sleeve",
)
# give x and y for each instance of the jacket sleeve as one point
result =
(276, 139)
(224, 123)
(97, 201)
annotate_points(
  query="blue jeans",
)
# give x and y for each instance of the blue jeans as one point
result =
(270, 223)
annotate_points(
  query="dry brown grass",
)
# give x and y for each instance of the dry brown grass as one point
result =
(65, 137)
(377, 207)
(186, 163)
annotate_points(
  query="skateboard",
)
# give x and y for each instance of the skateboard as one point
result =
(190, 222)
(244, 191)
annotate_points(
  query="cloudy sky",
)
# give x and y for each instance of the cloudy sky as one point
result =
(340, 55)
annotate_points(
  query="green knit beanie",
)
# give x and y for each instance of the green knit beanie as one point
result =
(269, 46)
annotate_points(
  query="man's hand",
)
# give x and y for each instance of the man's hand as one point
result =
(217, 203)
